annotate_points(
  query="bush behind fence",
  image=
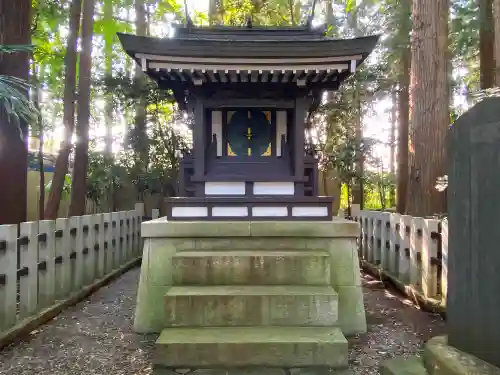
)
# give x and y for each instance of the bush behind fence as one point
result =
(48, 261)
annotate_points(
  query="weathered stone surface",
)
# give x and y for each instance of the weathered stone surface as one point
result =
(256, 243)
(242, 371)
(163, 371)
(329, 229)
(306, 267)
(344, 262)
(193, 229)
(403, 366)
(337, 238)
(442, 359)
(251, 306)
(319, 371)
(351, 310)
(251, 346)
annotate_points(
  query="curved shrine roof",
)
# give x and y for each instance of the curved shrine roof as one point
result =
(284, 60)
(248, 42)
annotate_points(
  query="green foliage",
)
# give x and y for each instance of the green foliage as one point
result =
(103, 177)
(66, 187)
(14, 98)
(334, 135)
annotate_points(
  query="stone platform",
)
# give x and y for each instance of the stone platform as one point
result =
(439, 358)
(239, 294)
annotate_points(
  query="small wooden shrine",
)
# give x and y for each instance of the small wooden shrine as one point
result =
(251, 91)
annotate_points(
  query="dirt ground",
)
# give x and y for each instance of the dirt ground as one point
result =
(96, 337)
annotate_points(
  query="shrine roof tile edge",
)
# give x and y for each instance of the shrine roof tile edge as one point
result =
(134, 44)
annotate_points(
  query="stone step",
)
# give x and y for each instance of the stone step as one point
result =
(204, 347)
(403, 366)
(240, 267)
(251, 306)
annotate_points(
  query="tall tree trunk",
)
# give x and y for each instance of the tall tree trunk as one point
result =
(212, 12)
(429, 105)
(108, 111)
(79, 181)
(392, 145)
(15, 25)
(357, 188)
(496, 17)
(404, 105)
(37, 78)
(61, 167)
(140, 109)
(108, 62)
(486, 44)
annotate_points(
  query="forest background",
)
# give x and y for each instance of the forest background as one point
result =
(101, 127)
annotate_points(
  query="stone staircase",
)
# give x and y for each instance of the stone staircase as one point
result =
(251, 308)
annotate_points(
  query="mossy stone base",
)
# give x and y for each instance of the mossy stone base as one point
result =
(443, 359)
(403, 366)
(255, 305)
(203, 347)
(165, 240)
(439, 358)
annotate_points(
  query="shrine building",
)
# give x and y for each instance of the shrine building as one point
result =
(251, 92)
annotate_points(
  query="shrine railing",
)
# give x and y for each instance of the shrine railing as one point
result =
(48, 265)
(410, 251)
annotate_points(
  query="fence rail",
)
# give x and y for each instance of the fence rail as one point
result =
(411, 250)
(47, 261)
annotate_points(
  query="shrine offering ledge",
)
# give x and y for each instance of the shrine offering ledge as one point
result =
(281, 208)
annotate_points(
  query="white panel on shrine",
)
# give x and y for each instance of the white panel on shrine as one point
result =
(185, 211)
(225, 188)
(230, 211)
(270, 211)
(273, 188)
(280, 129)
(217, 129)
(316, 211)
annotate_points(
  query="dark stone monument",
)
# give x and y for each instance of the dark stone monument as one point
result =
(473, 307)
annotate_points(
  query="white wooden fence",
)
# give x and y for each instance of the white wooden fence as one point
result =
(412, 250)
(49, 261)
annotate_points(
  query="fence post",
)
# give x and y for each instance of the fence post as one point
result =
(361, 242)
(355, 210)
(370, 232)
(366, 235)
(444, 262)
(139, 208)
(46, 257)
(130, 237)
(63, 252)
(108, 238)
(8, 276)
(415, 254)
(76, 233)
(394, 248)
(429, 257)
(378, 240)
(28, 283)
(88, 249)
(385, 239)
(404, 249)
(115, 241)
(98, 224)
(139, 213)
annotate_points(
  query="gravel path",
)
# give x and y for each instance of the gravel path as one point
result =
(95, 336)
